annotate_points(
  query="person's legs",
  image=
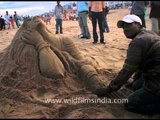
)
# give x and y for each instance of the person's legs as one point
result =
(17, 23)
(137, 84)
(80, 23)
(154, 25)
(94, 25)
(57, 26)
(144, 102)
(8, 23)
(12, 23)
(1, 24)
(85, 25)
(107, 27)
(104, 24)
(60, 24)
(100, 19)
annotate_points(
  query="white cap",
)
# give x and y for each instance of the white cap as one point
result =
(128, 19)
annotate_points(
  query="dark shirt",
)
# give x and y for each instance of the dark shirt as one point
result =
(143, 54)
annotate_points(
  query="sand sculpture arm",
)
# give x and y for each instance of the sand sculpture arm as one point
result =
(49, 64)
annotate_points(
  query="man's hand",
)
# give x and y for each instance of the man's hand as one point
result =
(90, 15)
(103, 92)
(103, 12)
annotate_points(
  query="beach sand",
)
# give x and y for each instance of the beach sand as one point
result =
(108, 58)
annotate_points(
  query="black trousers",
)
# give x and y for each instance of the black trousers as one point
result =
(97, 17)
(142, 101)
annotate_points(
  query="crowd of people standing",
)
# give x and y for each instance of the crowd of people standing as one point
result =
(96, 11)
(9, 21)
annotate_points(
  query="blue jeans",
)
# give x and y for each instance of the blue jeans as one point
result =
(143, 101)
(83, 24)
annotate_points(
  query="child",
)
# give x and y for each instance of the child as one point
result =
(12, 21)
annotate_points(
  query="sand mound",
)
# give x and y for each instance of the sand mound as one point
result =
(27, 78)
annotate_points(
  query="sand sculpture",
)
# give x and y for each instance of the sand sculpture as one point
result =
(36, 53)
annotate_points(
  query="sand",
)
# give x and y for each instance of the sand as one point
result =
(108, 60)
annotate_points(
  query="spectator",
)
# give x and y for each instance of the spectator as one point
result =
(16, 19)
(105, 23)
(138, 8)
(47, 19)
(12, 21)
(59, 17)
(155, 16)
(82, 9)
(2, 23)
(65, 15)
(7, 19)
(96, 13)
(74, 8)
